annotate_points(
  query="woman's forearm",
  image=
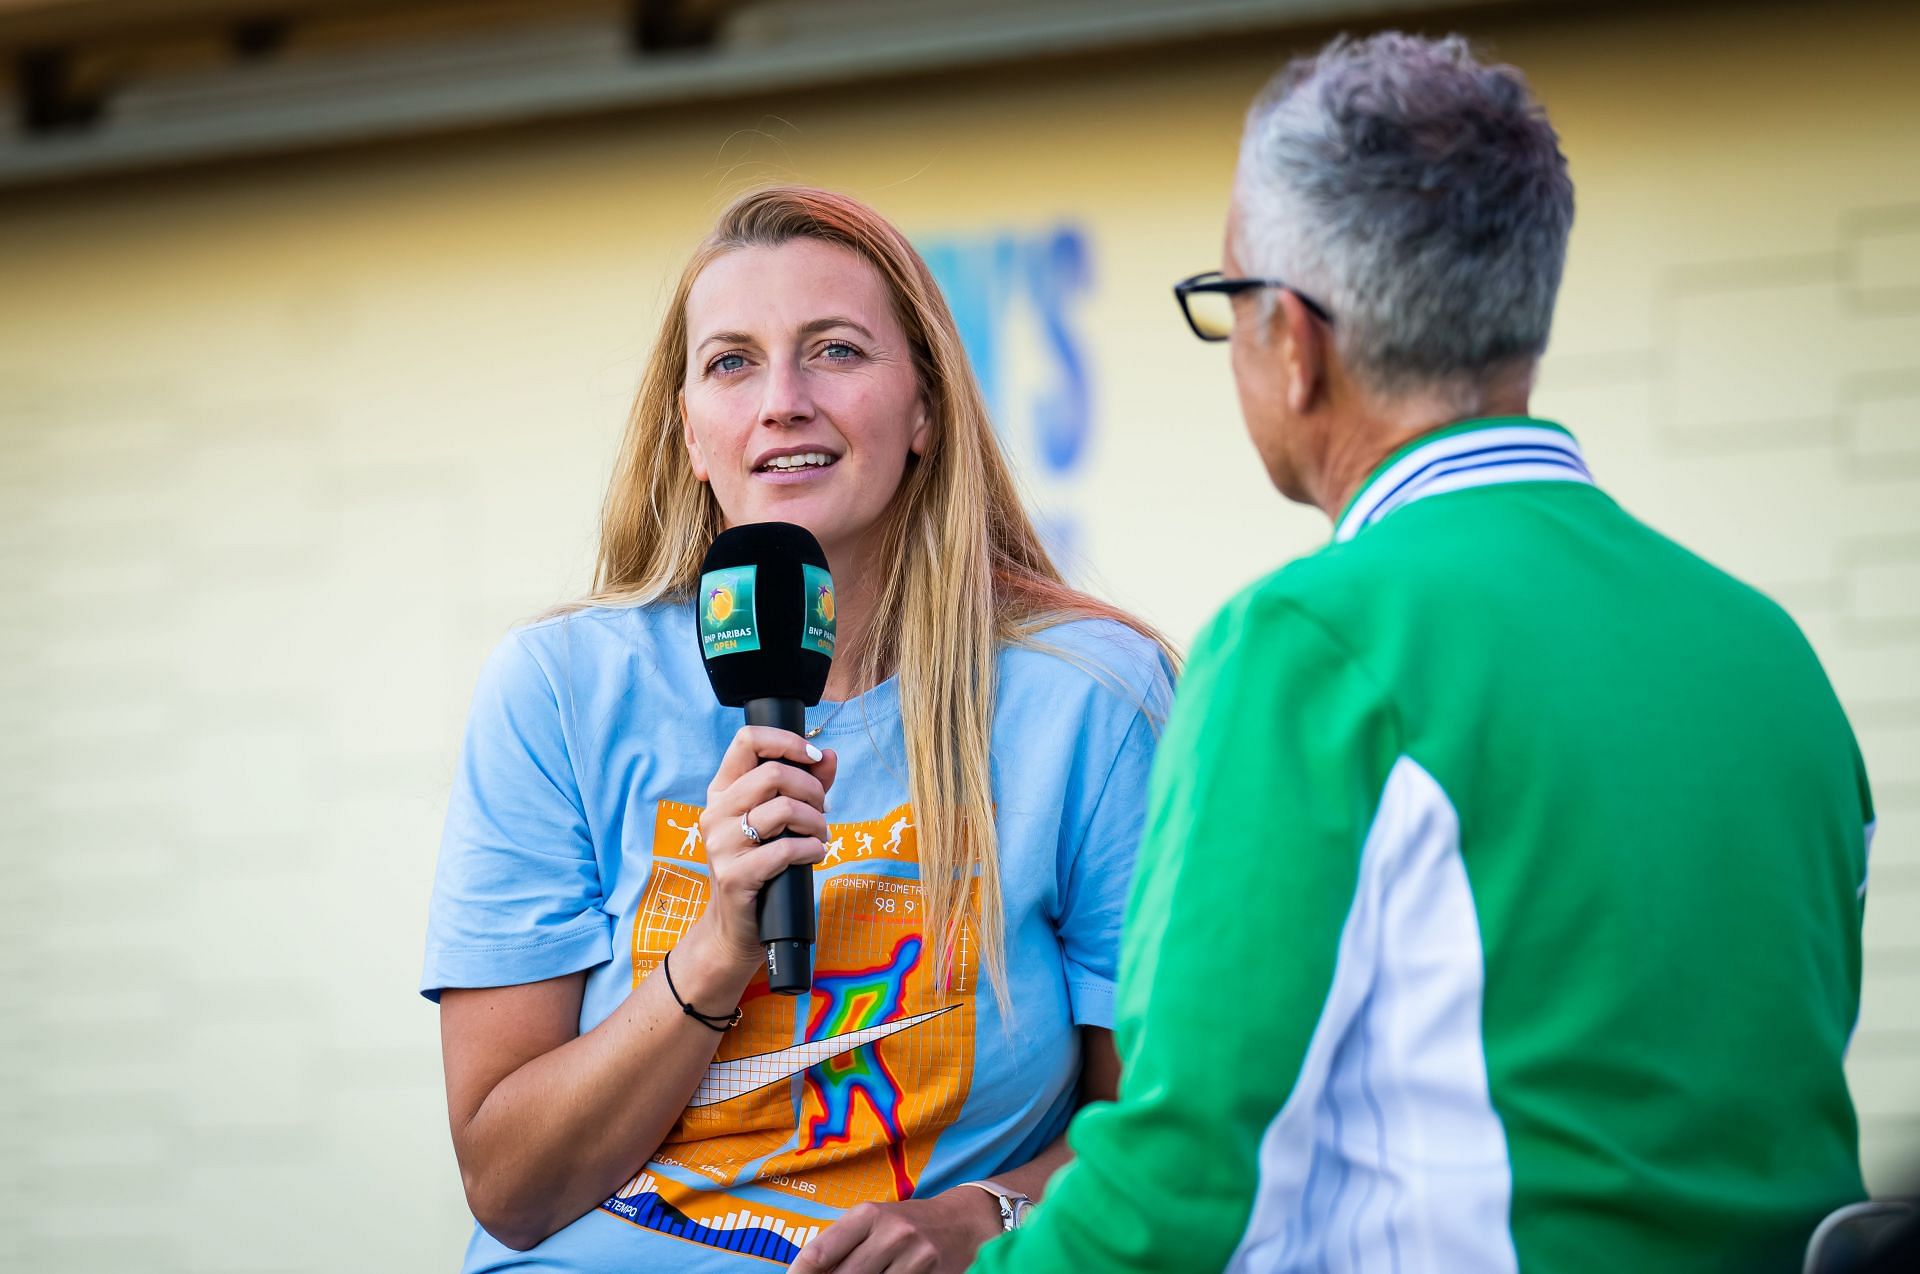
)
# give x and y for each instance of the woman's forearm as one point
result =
(566, 1128)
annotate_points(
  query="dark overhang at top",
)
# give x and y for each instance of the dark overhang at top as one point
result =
(99, 86)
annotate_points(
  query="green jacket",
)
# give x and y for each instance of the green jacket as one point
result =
(1499, 908)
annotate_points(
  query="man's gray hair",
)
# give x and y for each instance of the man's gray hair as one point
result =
(1417, 194)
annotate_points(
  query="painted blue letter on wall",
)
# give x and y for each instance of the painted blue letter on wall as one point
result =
(1016, 298)
(1058, 274)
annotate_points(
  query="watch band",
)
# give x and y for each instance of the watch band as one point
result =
(1014, 1206)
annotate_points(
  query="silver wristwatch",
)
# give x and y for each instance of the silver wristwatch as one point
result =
(1014, 1206)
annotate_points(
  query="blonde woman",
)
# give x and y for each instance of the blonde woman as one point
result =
(624, 1092)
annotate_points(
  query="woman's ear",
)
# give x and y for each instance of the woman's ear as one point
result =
(922, 427)
(694, 458)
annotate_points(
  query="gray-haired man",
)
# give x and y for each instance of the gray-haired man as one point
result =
(1500, 900)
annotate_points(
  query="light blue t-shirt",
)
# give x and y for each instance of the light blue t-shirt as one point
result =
(572, 843)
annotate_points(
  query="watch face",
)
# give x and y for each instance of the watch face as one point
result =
(1021, 1207)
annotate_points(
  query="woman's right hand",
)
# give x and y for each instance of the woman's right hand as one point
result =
(759, 779)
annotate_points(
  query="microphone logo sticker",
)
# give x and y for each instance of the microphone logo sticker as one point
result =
(819, 632)
(729, 623)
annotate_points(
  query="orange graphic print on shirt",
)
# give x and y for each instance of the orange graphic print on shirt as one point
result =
(814, 1103)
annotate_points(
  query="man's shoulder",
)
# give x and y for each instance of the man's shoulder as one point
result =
(1315, 590)
(1349, 598)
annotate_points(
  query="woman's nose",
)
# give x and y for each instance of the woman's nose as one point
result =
(785, 400)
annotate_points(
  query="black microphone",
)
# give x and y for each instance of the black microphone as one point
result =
(765, 615)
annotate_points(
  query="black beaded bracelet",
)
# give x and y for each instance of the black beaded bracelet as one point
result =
(712, 1021)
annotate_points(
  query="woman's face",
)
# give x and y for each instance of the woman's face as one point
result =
(800, 402)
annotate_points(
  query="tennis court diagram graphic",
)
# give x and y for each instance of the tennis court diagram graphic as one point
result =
(815, 1102)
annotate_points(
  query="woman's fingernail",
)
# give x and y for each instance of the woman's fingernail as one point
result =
(813, 753)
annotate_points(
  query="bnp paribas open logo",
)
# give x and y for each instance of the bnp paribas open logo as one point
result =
(728, 621)
(819, 630)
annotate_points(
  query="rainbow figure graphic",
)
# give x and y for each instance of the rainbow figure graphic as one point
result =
(850, 1002)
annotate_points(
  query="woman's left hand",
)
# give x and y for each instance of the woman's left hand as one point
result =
(915, 1236)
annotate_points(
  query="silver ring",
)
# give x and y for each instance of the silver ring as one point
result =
(747, 830)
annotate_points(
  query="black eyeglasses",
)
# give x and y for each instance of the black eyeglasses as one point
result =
(1207, 301)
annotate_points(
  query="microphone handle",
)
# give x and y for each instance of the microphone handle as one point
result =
(785, 905)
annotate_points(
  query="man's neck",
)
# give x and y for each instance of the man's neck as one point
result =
(1379, 427)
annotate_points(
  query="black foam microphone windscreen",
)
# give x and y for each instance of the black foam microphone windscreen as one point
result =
(766, 619)
(766, 614)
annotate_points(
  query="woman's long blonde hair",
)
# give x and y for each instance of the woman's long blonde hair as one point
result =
(961, 570)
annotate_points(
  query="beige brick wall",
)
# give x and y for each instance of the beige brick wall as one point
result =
(284, 448)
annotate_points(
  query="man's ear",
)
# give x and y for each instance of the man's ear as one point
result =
(1304, 353)
(694, 458)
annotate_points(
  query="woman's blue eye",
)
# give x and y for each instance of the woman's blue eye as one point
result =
(841, 350)
(727, 363)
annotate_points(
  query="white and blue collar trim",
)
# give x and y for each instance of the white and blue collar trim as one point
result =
(1459, 460)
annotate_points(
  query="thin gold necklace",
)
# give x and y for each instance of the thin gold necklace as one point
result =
(838, 708)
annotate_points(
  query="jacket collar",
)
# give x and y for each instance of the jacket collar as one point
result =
(1473, 453)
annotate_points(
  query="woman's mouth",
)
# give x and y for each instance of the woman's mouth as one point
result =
(802, 462)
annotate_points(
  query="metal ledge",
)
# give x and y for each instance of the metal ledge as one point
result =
(578, 66)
